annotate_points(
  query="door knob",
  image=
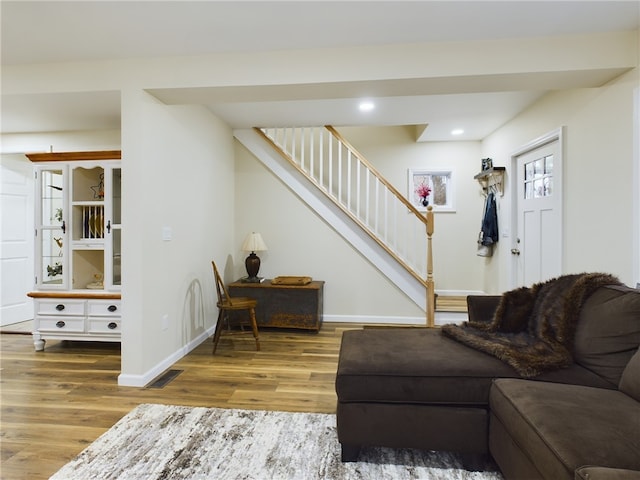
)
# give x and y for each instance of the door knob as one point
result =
(515, 251)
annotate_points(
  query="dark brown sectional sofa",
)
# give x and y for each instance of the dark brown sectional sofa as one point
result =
(417, 388)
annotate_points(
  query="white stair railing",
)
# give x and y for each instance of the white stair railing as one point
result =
(323, 156)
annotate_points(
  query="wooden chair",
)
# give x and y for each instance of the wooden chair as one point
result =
(226, 304)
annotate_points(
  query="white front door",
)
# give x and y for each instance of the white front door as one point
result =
(537, 247)
(16, 238)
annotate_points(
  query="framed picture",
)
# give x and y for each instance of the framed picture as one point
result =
(431, 187)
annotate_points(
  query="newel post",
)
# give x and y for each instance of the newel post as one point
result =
(431, 304)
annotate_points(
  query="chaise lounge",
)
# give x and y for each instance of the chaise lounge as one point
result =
(478, 390)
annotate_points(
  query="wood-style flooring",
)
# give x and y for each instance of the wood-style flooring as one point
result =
(56, 402)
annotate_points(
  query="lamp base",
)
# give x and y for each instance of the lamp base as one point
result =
(252, 264)
(252, 279)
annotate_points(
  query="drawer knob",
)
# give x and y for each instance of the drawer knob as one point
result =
(60, 307)
(112, 325)
(60, 324)
(112, 308)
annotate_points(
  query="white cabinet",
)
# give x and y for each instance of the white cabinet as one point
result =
(78, 244)
(69, 316)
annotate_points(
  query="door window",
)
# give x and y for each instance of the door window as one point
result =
(538, 178)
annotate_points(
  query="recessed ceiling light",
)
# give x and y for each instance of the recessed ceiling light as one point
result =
(457, 131)
(366, 106)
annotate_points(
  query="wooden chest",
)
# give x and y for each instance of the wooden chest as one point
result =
(284, 306)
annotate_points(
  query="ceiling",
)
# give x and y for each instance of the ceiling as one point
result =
(77, 31)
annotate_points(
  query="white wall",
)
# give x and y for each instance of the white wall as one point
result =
(598, 176)
(60, 141)
(177, 170)
(301, 243)
(178, 166)
(598, 188)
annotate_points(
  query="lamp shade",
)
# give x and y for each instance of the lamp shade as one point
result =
(254, 243)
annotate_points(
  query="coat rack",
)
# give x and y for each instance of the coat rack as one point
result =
(492, 178)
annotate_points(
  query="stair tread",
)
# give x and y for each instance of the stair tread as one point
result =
(451, 303)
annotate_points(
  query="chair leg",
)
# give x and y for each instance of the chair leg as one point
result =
(218, 330)
(254, 326)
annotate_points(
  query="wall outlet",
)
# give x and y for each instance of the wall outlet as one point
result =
(164, 324)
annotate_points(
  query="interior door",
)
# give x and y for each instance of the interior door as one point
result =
(537, 250)
(16, 239)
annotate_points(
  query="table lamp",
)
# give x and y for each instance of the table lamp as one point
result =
(253, 243)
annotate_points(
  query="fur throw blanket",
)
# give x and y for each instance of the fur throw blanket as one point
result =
(533, 327)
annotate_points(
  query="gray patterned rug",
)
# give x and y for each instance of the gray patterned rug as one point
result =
(156, 442)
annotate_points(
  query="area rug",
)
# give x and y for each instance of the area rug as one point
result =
(155, 442)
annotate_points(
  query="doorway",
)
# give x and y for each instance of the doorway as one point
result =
(536, 250)
(16, 238)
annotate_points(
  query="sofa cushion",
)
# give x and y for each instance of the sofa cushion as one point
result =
(608, 332)
(422, 366)
(563, 427)
(630, 381)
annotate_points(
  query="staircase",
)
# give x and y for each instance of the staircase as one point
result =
(344, 189)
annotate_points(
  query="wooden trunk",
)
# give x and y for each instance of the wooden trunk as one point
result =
(284, 306)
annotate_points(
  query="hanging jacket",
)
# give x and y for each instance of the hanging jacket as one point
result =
(489, 228)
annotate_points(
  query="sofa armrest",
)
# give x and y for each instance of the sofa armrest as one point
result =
(589, 472)
(482, 307)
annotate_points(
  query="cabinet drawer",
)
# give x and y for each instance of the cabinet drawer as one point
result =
(60, 306)
(60, 324)
(103, 308)
(104, 325)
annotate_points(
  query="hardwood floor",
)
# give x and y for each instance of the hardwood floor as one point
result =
(55, 403)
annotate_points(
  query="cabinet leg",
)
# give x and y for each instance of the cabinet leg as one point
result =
(38, 342)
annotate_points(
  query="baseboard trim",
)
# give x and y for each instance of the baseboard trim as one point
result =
(128, 380)
(442, 318)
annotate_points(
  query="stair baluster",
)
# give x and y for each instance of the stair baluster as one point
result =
(357, 188)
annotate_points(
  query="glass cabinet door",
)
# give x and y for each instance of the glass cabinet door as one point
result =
(87, 203)
(78, 231)
(87, 241)
(78, 221)
(51, 228)
(113, 228)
